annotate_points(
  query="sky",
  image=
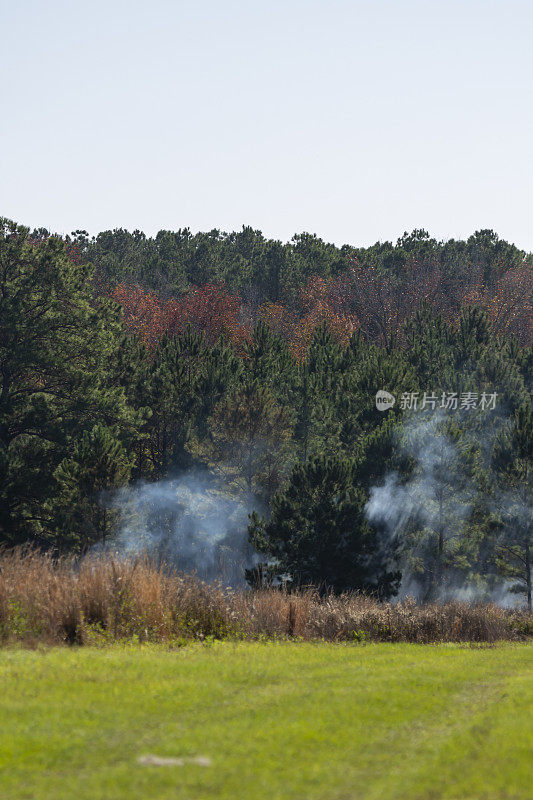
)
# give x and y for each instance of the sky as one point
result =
(355, 120)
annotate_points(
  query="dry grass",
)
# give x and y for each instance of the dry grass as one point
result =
(102, 599)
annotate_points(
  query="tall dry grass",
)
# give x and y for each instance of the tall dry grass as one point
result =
(103, 599)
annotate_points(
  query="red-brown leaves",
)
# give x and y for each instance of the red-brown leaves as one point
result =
(509, 305)
(145, 315)
(210, 309)
(366, 298)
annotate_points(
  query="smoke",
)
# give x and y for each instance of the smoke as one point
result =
(429, 512)
(188, 521)
(439, 482)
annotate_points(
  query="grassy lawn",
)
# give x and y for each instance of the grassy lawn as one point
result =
(283, 720)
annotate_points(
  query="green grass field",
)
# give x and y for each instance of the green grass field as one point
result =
(278, 720)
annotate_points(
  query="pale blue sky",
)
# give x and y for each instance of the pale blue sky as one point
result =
(355, 120)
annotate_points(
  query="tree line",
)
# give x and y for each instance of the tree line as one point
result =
(126, 358)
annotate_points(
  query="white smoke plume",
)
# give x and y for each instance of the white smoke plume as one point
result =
(438, 498)
(190, 522)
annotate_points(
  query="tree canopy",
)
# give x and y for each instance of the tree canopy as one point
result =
(127, 359)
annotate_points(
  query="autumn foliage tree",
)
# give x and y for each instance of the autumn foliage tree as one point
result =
(212, 310)
(508, 304)
(319, 305)
(144, 314)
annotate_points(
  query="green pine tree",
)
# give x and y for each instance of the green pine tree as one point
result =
(57, 350)
(513, 459)
(317, 533)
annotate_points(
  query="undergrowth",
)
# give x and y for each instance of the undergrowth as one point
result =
(100, 600)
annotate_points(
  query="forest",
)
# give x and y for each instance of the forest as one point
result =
(211, 397)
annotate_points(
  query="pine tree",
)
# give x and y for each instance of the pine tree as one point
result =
(250, 436)
(83, 509)
(56, 351)
(317, 533)
(428, 348)
(513, 459)
(434, 501)
(267, 359)
(316, 387)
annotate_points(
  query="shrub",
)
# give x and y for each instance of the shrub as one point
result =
(103, 599)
